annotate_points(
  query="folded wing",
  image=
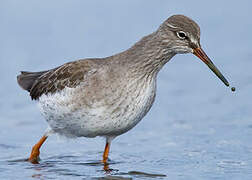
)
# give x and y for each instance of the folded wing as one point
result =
(68, 75)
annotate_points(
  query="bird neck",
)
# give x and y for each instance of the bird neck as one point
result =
(147, 56)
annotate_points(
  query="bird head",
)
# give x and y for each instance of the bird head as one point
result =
(182, 35)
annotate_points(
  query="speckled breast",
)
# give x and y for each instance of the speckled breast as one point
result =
(75, 112)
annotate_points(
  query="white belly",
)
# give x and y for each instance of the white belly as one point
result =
(68, 115)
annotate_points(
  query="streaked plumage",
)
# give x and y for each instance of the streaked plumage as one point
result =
(109, 96)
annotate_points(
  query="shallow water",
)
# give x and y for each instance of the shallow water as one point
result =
(182, 150)
(197, 128)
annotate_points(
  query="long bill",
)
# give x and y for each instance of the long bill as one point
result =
(202, 55)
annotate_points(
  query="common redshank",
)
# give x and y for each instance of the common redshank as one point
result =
(109, 96)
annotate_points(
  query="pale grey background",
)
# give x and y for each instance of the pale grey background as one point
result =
(197, 128)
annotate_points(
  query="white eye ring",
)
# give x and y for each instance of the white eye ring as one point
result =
(181, 35)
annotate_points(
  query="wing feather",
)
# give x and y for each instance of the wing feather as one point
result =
(68, 75)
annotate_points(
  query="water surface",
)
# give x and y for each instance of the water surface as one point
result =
(197, 128)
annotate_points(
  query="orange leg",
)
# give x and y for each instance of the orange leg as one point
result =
(106, 153)
(34, 156)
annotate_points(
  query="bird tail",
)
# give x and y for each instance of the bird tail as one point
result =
(27, 79)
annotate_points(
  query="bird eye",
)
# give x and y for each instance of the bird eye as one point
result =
(181, 35)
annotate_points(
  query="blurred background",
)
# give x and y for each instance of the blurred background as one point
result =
(197, 128)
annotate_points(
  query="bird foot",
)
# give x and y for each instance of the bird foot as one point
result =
(105, 161)
(34, 156)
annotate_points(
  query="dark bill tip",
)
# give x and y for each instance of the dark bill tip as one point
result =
(202, 55)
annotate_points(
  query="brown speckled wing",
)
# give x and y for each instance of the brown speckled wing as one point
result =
(68, 75)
